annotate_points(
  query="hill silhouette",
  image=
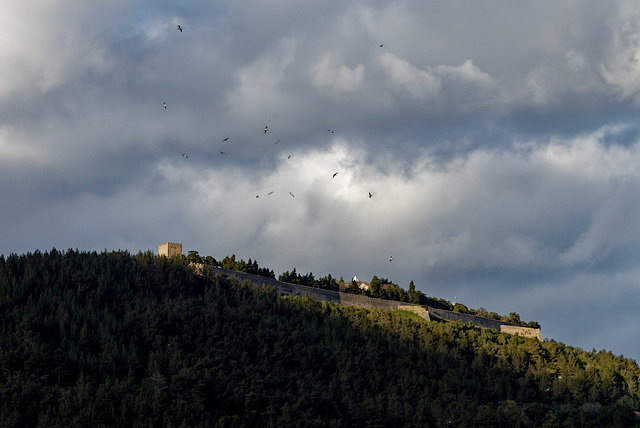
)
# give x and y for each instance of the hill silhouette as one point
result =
(114, 339)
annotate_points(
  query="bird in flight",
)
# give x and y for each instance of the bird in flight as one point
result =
(223, 153)
(270, 193)
(266, 128)
(226, 139)
(185, 156)
(165, 105)
(381, 45)
(289, 157)
(331, 131)
(180, 28)
(370, 195)
(334, 175)
(390, 258)
(291, 195)
(276, 142)
(257, 196)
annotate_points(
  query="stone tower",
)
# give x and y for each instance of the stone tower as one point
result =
(170, 249)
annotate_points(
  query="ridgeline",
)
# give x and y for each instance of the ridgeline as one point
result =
(114, 339)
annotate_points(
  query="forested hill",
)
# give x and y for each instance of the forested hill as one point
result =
(115, 339)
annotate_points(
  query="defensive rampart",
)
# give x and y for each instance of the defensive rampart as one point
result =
(418, 310)
(502, 326)
(366, 302)
(317, 293)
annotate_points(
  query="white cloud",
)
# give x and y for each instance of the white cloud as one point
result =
(15, 149)
(158, 28)
(575, 60)
(259, 83)
(408, 79)
(44, 43)
(466, 73)
(621, 65)
(462, 87)
(329, 75)
(545, 208)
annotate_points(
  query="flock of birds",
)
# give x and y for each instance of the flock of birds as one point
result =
(266, 128)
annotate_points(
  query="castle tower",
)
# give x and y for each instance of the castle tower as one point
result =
(170, 249)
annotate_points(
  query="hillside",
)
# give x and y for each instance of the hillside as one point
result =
(114, 339)
(364, 301)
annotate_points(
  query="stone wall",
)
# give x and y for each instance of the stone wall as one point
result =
(418, 310)
(366, 302)
(317, 293)
(522, 331)
(502, 326)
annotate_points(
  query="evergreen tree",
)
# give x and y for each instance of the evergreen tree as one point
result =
(376, 287)
(353, 288)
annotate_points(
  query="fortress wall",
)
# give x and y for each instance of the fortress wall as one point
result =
(419, 310)
(457, 316)
(281, 287)
(304, 291)
(501, 326)
(366, 302)
(317, 293)
(522, 331)
(254, 279)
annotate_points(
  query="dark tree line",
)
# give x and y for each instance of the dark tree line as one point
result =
(250, 266)
(328, 282)
(115, 339)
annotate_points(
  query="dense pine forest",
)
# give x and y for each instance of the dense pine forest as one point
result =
(115, 339)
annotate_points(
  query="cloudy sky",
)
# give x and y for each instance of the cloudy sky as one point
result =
(500, 141)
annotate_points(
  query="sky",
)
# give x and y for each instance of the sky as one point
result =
(499, 140)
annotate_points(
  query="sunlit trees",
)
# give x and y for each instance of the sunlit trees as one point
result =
(459, 307)
(514, 317)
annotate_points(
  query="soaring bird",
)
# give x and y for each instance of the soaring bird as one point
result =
(370, 195)
(257, 196)
(276, 142)
(180, 28)
(291, 195)
(289, 157)
(331, 131)
(165, 105)
(185, 156)
(390, 258)
(381, 45)
(334, 175)
(226, 139)
(266, 128)
(270, 193)
(223, 153)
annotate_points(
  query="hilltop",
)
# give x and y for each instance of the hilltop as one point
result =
(114, 339)
(365, 301)
(381, 290)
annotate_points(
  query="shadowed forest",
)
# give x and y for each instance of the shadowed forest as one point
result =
(114, 339)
